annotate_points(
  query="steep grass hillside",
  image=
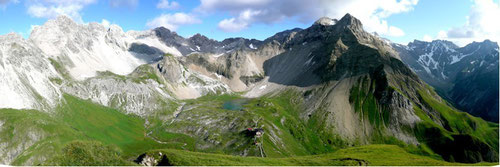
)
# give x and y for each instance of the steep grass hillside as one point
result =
(86, 130)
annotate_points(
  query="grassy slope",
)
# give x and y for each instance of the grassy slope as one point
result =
(19, 123)
(283, 111)
(77, 120)
(277, 113)
(455, 124)
(107, 125)
(88, 153)
(83, 120)
(462, 122)
(303, 138)
(434, 138)
(369, 154)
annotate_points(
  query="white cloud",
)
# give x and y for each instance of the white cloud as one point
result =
(427, 38)
(164, 4)
(124, 3)
(231, 25)
(173, 21)
(53, 8)
(482, 23)
(105, 23)
(240, 23)
(395, 31)
(442, 34)
(372, 13)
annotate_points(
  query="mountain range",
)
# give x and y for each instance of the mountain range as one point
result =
(71, 91)
(466, 76)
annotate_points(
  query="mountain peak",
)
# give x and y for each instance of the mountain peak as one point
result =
(198, 36)
(350, 21)
(487, 42)
(63, 19)
(325, 21)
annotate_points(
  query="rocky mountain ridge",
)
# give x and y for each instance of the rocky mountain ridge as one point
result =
(313, 90)
(467, 76)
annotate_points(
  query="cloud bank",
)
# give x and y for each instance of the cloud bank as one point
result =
(172, 21)
(482, 23)
(53, 8)
(245, 13)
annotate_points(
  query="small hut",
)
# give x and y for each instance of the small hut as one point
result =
(254, 132)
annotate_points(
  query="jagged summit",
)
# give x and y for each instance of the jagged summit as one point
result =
(161, 29)
(63, 20)
(444, 44)
(199, 36)
(486, 43)
(326, 26)
(325, 21)
(350, 21)
(201, 39)
(346, 20)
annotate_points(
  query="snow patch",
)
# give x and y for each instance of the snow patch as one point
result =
(447, 48)
(218, 76)
(309, 61)
(156, 43)
(457, 58)
(444, 76)
(218, 55)
(251, 46)
(427, 60)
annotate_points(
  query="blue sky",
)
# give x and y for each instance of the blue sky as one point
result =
(402, 21)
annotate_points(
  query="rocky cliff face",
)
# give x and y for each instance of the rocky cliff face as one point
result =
(467, 76)
(357, 86)
(77, 59)
(27, 76)
(343, 64)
